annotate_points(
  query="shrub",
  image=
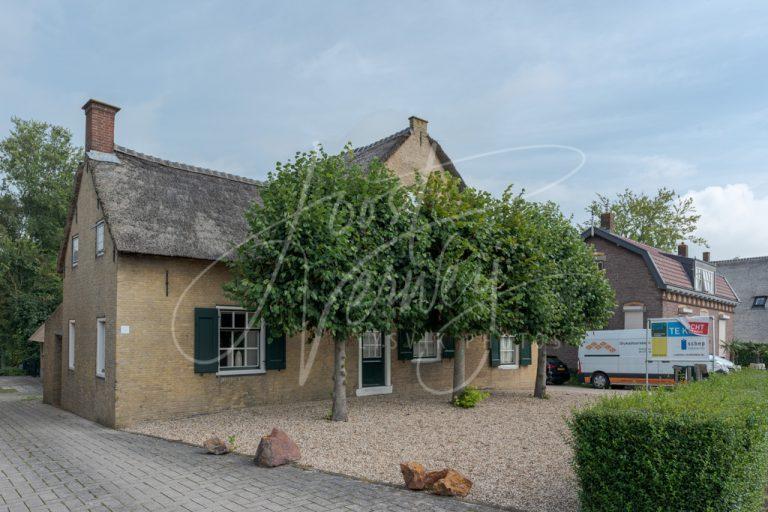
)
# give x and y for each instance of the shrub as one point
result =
(702, 447)
(470, 397)
(11, 371)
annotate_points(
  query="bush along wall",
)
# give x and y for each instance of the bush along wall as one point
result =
(698, 447)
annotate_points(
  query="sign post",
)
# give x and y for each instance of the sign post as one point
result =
(678, 339)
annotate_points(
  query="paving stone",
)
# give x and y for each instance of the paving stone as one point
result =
(53, 460)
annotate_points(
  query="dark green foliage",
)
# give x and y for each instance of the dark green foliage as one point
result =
(37, 168)
(743, 353)
(470, 397)
(700, 447)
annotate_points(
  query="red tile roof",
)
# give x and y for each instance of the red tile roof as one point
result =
(670, 269)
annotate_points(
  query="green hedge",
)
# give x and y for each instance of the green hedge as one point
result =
(698, 447)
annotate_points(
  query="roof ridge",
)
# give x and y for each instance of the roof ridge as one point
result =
(750, 258)
(385, 139)
(187, 167)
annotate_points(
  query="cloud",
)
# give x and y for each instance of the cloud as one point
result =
(732, 220)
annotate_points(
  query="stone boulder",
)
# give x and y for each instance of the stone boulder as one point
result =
(433, 476)
(276, 449)
(413, 474)
(452, 484)
(216, 446)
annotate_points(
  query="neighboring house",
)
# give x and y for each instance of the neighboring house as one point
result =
(143, 306)
(650, 283)
(749, 277)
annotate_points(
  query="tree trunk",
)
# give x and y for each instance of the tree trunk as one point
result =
(459, 358)
(540, 390)
(339, 412)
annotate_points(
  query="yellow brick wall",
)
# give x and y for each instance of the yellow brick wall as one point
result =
(155, 370)
(89, 293)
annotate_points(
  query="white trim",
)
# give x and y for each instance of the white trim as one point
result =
(634, 307)
(233, 373)
(508, 366)
(71, 340)
(99, 224)
(378, 390)
(374, 390)
(101, 332)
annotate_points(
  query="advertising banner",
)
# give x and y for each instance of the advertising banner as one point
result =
(680, 339)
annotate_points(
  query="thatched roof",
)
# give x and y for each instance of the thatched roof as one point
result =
(159, 207)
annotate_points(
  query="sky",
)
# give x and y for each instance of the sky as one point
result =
(563, 100)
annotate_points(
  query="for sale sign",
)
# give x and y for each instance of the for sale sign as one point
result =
(680, 339)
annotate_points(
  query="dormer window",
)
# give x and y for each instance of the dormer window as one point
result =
(705, 280)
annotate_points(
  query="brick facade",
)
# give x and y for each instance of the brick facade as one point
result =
(150, 334)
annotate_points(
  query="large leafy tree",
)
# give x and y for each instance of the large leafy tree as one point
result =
(37, 167)
(322, 259)
(660, 221)
(573, 294)
(456, 286)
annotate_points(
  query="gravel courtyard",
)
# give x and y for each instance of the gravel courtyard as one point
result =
(515, 448)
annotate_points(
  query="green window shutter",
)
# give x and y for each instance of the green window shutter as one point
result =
(206, 340)
(495, 347)
(275, 356)
(525, 353)
(449, 347)
(404, 346)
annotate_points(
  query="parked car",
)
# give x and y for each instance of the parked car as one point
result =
(557, 372)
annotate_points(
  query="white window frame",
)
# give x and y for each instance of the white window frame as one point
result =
(75, 250)
(438, 349)
(101, 342)
(99, 231)
(701, 283)
(71, 337)
(509, 366)
(225, 371)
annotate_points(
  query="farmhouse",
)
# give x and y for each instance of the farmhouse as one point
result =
(143, 263)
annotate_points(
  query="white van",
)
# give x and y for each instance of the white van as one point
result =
(618, 357)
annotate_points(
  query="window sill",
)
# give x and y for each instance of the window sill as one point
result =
(425, 360)
(375, 390)
(101, 376)
(508, 366)
(234, 373)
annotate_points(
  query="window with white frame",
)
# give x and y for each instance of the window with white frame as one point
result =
(634, 316)
(507, 351)
(71, 343)
(372, 346)
(428, 347)
(75, 250)
(241, 337)
(101, 333)
(705, 280)
(99, 238)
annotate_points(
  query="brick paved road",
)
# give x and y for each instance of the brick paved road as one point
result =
(51, 460)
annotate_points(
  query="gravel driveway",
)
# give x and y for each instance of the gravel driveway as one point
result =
(515, 448)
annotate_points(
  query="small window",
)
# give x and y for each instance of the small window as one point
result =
(372, 346)
(71, 343)
(100, 347)
(240, 341)
(427, 347)
(759, 301)
(99, 238)
(75, 250)
(634, 317)
(507, 351)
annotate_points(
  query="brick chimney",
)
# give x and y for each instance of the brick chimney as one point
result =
(705, 256)
(418, 125)
(606, 221)
(682, 250)
(100, 126)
